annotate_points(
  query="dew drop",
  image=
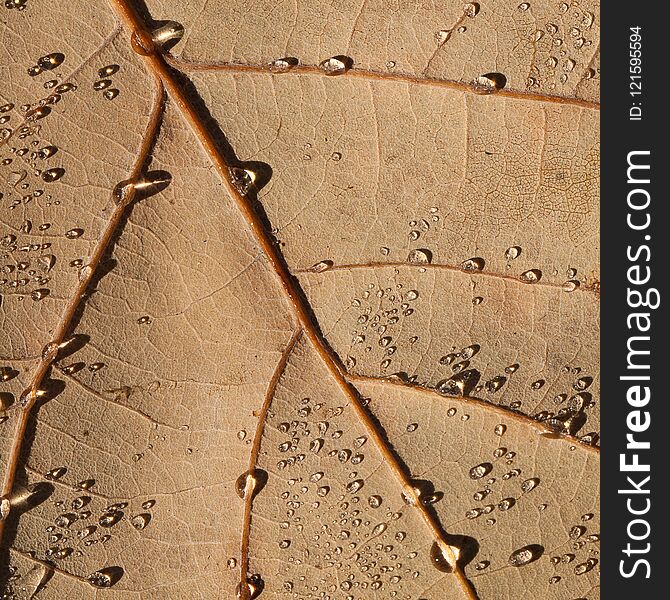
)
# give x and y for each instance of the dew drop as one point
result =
(354, 486)
(489, 83)
(336, 65)
(530, 484)
(250, 483)
(480, 470)
(5, 508)
(51, 175)
(471, 9)
(283, 65)
(321, 266)
(512, 252)
(375, 501)
(140, 521)
(168, 34)
(419, 256)
(525, 555)
(472, 264)
(105, 577)
(242, 179)
(110, 94)
(51, 61)
(439, 559)
(55, 474)
(500, 429)
(108, 70)
(531, 276)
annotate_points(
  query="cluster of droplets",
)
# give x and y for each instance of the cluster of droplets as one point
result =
(581, 552)
(381, 314)
(562, 45)
(498, 484)
(25, 267)
(470, 11)
(104, 82)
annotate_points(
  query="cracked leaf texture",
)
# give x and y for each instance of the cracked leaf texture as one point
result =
(368, 370)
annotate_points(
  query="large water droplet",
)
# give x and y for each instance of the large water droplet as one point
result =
(472, 264)
(250, 483)
(167, 34)
(440, 559)
(531, 276)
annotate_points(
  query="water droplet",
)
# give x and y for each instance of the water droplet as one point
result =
(419, 256)
(5, 508)
(110, 93)
(531, 276)
(102, 84)
(530, 484)
(471, 9)
(354, 486)
(38, 113)
(512, 252)
(250, 483)
(500, 429)
(55, 474)
(336, 156)
(253, 586)
(283, 65)
(336, 65)
(375, 501)
(51, 61)
(481, 470)
(524, 6)
(51, 175)
(489, 83)
(585, 567)
(525, 555)
(242, 179)
(440, 559)
(140, 521)
(108, 70)
(168, 34)
(73, 234)
(110, 518)
(321, 266)
(472, 264)
(105, 577)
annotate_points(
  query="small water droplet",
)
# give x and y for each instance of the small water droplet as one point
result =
(51, 61)
(480, 470)
(108, 71)
(419, 256)
(336, 65)
(110, 94)
(105, 577)
(321, 266)
(472, 264)
(51, 175)
(531, 276)
(140, 521)
(283, 65)
(512, 252)
(489, 83)
(525, 555)
(471, 9)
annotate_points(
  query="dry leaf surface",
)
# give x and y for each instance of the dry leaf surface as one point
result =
(284, 329)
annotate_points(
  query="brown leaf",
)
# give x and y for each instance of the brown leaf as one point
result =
(299, 301)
